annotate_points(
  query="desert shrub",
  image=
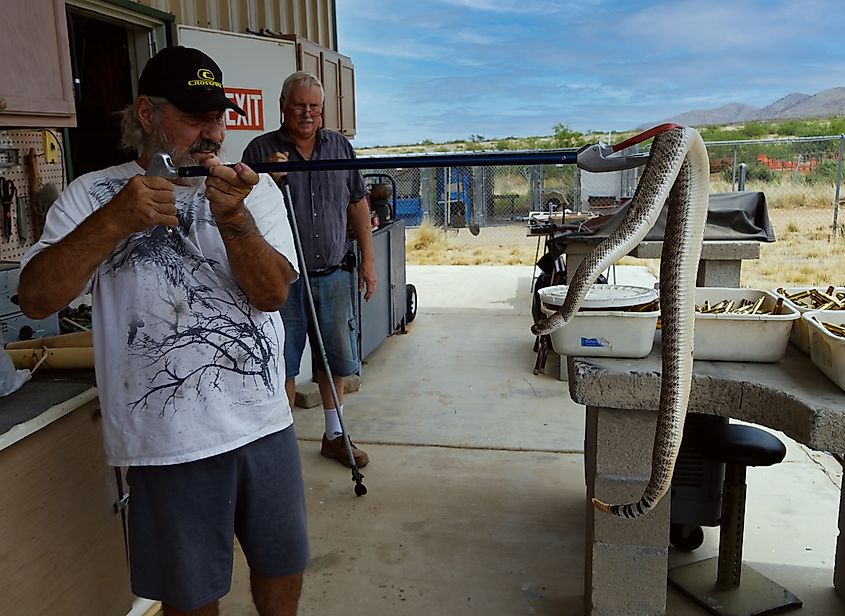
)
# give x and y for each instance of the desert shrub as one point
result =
(825, 172)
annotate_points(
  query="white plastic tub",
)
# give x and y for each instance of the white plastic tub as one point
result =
(602, 328)
(741, 337)
(827, 350)
(800, 335)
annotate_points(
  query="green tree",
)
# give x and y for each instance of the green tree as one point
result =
(565, 137)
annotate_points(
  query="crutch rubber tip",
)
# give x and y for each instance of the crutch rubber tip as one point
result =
(360, 489)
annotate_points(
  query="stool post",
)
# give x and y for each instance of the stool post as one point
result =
(732, 527)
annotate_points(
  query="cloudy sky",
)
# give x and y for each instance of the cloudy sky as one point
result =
(449, 69)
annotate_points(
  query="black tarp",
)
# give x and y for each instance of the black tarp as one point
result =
(733, 216)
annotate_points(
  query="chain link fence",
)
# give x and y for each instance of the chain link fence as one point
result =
(478, 198)
(794, 173)
(798, 172)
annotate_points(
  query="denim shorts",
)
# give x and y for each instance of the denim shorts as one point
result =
(183, 519)
(333, 304)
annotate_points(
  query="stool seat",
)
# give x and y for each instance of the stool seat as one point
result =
(740, 445)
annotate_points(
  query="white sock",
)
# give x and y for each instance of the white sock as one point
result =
(332, 422)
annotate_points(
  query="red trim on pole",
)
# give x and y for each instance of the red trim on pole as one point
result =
(661, 128)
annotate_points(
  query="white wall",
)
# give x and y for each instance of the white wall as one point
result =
(254, 68)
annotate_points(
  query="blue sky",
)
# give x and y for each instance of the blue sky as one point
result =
(449, 69)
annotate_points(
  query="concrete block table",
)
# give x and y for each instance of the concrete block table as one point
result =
(720, 264)
(626, 560)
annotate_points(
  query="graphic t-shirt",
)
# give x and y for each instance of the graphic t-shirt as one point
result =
(186, 367)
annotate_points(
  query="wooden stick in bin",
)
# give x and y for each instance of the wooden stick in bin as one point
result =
(76, 339)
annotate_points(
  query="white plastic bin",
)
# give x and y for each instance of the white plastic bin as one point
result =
(613, 332)
(741, 337)
(827, 350)
(800, 335)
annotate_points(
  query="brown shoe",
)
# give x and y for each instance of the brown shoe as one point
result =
(337, 450)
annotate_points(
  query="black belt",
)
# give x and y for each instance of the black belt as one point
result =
(323, 272)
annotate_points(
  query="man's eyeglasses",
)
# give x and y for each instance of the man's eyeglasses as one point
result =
(309, 109)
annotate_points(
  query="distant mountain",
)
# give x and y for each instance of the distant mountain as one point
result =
(830, 102)
(781, 106)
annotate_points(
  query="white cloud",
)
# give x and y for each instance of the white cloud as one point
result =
(451, 68)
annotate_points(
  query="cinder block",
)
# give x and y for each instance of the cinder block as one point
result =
(615, 612)
(624, 442)
(308, 394)
(590, 437)
(650, 530)
(839, 566)
(718, 273)
(628, 580)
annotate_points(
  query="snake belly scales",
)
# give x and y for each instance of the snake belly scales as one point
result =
(678, 169)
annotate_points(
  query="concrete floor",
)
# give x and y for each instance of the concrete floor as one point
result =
(476, 481)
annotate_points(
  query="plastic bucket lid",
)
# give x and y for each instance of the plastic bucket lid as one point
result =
(608, 296)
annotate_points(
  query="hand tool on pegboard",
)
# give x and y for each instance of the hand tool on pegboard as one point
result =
(22, 218)
(34, 188)
(8, 195)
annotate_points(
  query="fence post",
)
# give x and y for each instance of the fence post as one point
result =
(798, 160)
(838, 183)
(576, 191)
(535, 187)
(733, 171)
(479, 196)
(427, 190)
(743, 170)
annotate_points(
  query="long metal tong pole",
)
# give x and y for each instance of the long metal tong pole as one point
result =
(357, 477)
(596, 157)
(550, 157)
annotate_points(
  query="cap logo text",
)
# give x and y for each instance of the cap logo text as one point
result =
(206, 78)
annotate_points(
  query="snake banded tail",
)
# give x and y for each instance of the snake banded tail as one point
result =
(678, 170)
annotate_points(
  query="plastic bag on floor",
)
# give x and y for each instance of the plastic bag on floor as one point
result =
(10, 378)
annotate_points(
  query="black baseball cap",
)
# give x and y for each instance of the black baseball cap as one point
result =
(188, 79)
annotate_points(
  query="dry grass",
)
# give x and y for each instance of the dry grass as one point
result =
(430, 245)
(805, 253)
(786, 195)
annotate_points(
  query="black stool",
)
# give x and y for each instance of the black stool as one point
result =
(715, 583)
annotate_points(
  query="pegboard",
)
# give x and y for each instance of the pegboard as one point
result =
(22, 140)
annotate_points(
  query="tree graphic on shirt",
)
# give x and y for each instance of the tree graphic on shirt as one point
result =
(230, 340)
(204, 314)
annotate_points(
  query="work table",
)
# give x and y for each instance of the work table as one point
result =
(790, 395)
(46, 397)
(621, 396)
(60, 533)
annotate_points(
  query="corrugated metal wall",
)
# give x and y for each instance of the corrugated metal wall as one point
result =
(312, 19)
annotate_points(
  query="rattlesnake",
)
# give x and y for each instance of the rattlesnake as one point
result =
(678, 168)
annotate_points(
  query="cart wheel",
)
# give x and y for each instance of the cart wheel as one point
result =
(474, 229)
(685, 538)
(410, 302)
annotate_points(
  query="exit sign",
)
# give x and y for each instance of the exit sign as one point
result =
(250, 101)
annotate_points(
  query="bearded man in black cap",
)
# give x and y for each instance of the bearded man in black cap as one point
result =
(187, 279)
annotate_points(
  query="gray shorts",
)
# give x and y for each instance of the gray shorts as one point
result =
(183, 519)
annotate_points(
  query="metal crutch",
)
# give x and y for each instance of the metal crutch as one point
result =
(357, 477)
